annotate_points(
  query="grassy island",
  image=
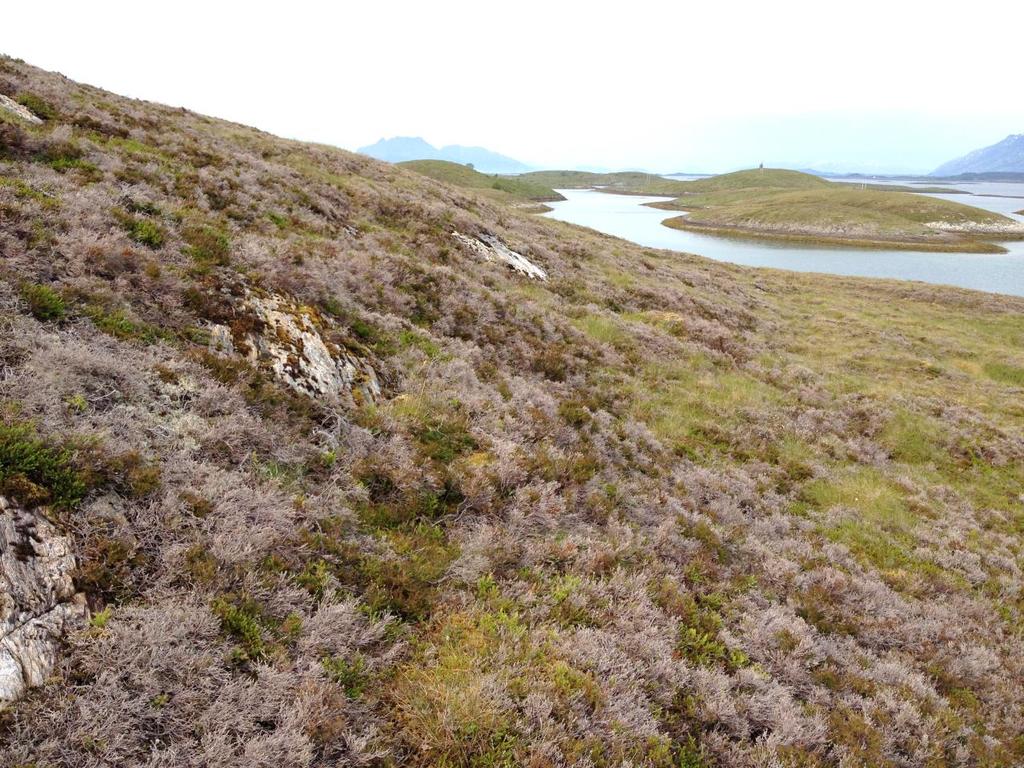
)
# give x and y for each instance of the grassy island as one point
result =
(799, 206)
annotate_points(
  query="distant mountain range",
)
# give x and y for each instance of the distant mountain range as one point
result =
(1005, 157)
(403, 148)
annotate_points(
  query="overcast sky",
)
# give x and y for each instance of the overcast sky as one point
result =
(895, 86)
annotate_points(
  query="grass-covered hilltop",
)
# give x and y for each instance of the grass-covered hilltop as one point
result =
(799, 206)
(519, 188)
(334, 464)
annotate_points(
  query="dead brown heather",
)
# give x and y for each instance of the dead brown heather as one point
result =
(654, 511)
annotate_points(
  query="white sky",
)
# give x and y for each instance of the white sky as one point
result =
(892, 85)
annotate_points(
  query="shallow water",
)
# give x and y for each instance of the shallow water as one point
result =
(625, 216)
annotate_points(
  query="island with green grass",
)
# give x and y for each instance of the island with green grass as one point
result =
(622, 182)
(799, 206)
(514, 189)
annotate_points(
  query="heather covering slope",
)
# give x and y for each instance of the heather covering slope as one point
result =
(654, 510)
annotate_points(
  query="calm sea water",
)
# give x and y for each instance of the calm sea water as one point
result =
(626, 217)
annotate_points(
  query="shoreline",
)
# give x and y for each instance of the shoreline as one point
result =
(879, 243)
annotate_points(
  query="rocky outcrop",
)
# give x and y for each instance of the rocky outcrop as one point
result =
(10, 105)
(1008, 227)
(293, 342)
(38, 603)
(491, 248)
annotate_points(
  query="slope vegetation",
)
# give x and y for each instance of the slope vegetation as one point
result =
(464, 176)
(799, 206)
(344, 488)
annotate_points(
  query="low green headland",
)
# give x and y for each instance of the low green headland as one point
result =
(519, 187)
(623, 183)
(799, 206)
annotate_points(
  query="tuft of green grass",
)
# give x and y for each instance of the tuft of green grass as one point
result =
(603, 329)
(913, 439)
(1005, 373)
(865, 490)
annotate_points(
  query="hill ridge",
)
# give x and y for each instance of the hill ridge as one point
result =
(1006, 156)
(405, 148)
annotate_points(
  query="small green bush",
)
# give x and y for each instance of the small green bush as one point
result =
(243, 623)
(146, 232)
(117, 324)
(445, 439)
(207, 244)
(43, 302)
(350, 675)
(33, 472)
(37, 105)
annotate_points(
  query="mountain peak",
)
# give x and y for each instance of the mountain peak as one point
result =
(403, 148)
(1006, 156)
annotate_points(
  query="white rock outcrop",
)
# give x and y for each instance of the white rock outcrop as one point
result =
(1008, 227)
(288, 339)
(10, 105)
(38, 603)
(492, 249)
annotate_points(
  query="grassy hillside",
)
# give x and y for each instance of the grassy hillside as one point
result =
(793, 205)
(649, 509)
(756, 178)
(464, 176)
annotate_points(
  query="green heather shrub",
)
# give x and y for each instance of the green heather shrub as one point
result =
(39, 106)
(43, 302)
(206, 244)
(146, 232)
(34, 472)
(350, 674)
(242, 620)
(445, 440)
(116, 323)
(142, 230)
(406, 585)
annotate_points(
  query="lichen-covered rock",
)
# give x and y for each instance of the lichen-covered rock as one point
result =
(492, 248)
(289, 339)
(38, 603)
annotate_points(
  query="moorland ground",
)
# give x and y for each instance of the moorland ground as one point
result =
(651, 510)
